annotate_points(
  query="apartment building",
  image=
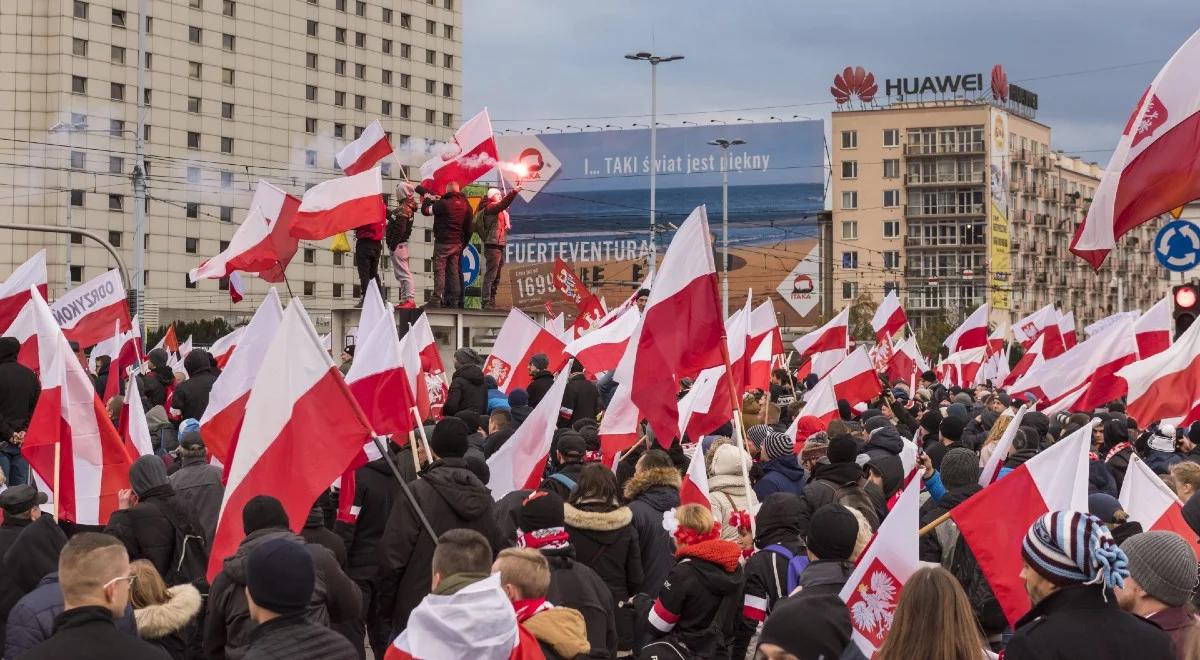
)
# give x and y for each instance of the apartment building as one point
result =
(235, 91)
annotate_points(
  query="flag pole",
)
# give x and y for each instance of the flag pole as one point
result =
(934, 524)
(421, 428)
(739, 435)
(412, 446)
(57, 468)
(404, 486)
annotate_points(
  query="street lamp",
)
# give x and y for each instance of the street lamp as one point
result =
(685, 123)
(742, 119)
(551, 128)
(70, 128)
(721, 121)
(654, 61)
(619, 128)
(577, 127)
(724, 144)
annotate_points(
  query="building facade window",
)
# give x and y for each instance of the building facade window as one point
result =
(195, 34)
(849, 290)
(891, 198)
(310, 92)
(228, 42)
(891, 137)
(891, 168)
(849, 139)
(227, 76)
(193, 104)
(850, 199)
(81, 9)
(226, 110)
(114, 238)
(116, 202)
(78, 85)
(849, 230)
(310, 125)
(79, 47)
(226, 145)
(116, 164)
(194, 70)
(193, 140)
(891, 229)
(77, 198)
(311, 28)
(191, 245)
(116, 91)
(891, 259)
(850, 260)
(849, 169)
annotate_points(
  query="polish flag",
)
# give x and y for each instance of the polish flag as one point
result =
(961, 368)
(135, 431)
(227, 401)
(619, 427)
(237, 288)
(973, 332)
(1026, 329)
(705, 407)
(1156, 164)
(995, 341)
(758, 372)
(680, 331)
(853, 379)
(86, 313)
(694, 488)
(340, 205)
(1153, 329)
(889, 316)
(1152, 503)
(824, 362)
(378, 378)
(1165, 385)
(433, 389)
(71, 442)
(994, 521)
(223, 348)
(298, 402)
(737, 333)
(873, 588)
(471, 156)
(365, 152)
(1066, 403)
(995, 369)
(519, 339)
(834, 335)
(14, 291)
(820, 408)
(907, 363)
(763, 325)
(24, 330)
(1066, 327)
(991, 469)
(262, 243)
(519, 463)
(1047, 345)
(125, 352)
(185, 348)
(600, 350)
(1093, 363)
(1104, 322)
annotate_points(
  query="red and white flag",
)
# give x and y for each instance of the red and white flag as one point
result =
(125, 352)
(262, 243)
(1156, 164)
(227, 400)
(820, 408)
(889, 317)
(1047, 345)
(853, 379)
(222, 349)
(298, 402)
(1025, 330)
(1092, 364)
(339, 205)
(873, 589)
(973, 332)
(705, 407)
(378, 376)
(834, 335)
(1066, 327)
(1113, 318)
(758, 370)
(601, 349)
(991, 469)
(472, 155)
(962, 368)
(1153, 329)
(1165, 385)
(694, 488)
(519, 463)
(135, 431)
(519, 339)
(14, 291)
(907, 363)
(994, 521)
(619, 428)
(366, 151)
(237, 288)
(70, 431)
(995, 342)
(825, 362)
(86, 313)
(995, 368)
(737, 335)
(764, 326)
(24, 330)
(1152, 503)
(433, 389)
(679, 333)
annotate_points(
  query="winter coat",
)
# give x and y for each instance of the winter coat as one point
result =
(451, 497)
(399, 222)
(936, 547)
(560, 631)
(507, 512)
(1181, 625)
(497, 400)
(89, 632)
(29, 550)
(467, 391)
(835, 483)
(727, 488)
(554, 485)
(191, 396)
(495, 441)
(825, 577)
(884, 441)
(766, 578)
(155, 385)
(487, 221)
(31, 620)
(317, 533)
(19, 390)
(168, 625)
(227, 624)
(780, 475)
(375, 489)
(1101, 479)
(604, 539)
(650, 494)
(451, 217)
(1080, 622)
(148, 528)
(575, 585)
(199, 491)
(296, 638)
(541, 383)
(1161, 461)
(703, 586)
(581, 400)
(519, 414)
(976, 432)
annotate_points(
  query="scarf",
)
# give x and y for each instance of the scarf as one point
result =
(552, 538)
(725, 554)
(686, 536)
(527, 607)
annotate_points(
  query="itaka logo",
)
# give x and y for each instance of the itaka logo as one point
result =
(802, 285)
(999, 83)
(854, 82)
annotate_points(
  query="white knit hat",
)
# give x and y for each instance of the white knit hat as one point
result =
(493, 193)
(1163, 439)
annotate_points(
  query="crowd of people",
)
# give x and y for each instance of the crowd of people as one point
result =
(600, 562)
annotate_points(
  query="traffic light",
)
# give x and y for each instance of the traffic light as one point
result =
(597, 276)
(1186, 298)
(638, 275)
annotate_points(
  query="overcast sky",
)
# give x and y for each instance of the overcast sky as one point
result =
(1089, 60)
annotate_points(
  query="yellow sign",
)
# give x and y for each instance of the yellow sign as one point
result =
(999, 236)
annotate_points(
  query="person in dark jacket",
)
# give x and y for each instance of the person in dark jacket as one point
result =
(368, 247)
(1162, 575)
(191, 396)
(451, 232)
(317, 533)
(19, 391)
(500, 429)
(197, 483)
(519, 408)
(781, 471)
(541, 379)
(149, 515)
(960, 476)
(949, 435)
(281, 578)
(31, 620)
(778, 535)
(468, 391)
(836, 482)
(451, 497)
(399, 230)
(542, 527)
(30, 543)
(94, 576)
(155, 384)
(228, 626)
(882, 438)
(581, 398)
(809, 627)
(103, 362)
(492, 223)
(832, 537)
(165, 617)
(605, 539)
(652, 491)
(568, 450)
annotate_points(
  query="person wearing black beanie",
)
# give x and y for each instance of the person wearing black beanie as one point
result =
(778, 545)
(837, 480)
(806, 627)
(949, 436)
(450, 438)
(832, 535)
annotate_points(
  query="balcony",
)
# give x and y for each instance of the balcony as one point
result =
(1043, 162)
(1018, 215)
(943, 149)
(965, 210)
(1041, 219)
(1019, 155)
(969, 178)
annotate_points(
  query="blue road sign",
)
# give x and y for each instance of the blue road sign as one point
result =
(470, 264)
(1177, 246)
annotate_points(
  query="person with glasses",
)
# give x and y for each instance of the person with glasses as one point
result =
(94, 573)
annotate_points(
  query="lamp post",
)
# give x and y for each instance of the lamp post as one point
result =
(724, 145)
(654, 61)
(70, 128)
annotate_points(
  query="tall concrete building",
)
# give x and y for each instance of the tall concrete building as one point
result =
(958, 197)
(235, 91)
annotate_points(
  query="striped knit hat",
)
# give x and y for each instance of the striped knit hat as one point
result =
(1069, 547)
(779, 445)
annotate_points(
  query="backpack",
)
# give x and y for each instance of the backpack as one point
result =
(189, 559)
(564, 480)
(714, 638)
(795, 563)
(853, 496)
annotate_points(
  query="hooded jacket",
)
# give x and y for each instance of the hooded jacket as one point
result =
(475, 620)
(727, 488)
(89, 632)
(19, 390)
(767, 570)
(884, 441)
(148, 528)
(31, 620)
(780, 475)
(468, 391)
(191, 396)
(604, 539)
(451, 217)
(316, 532)
(835, 483)
(451, 497)
(581, 400)
(696, 593)
(374, 491)
(650, 494)
(29, 550)
(1081, 621)
(560, 632)
(167, 625)
(198, 489)
(575, 585)
(227, 623)
(541, 383)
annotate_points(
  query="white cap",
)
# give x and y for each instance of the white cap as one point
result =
(1163, 439)
(492, 193)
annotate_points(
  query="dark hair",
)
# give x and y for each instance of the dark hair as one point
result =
(782, 375)
(656, 458)
(596, 483)
(462, 551)
(643, 293)
(503, 416)
(471, 418)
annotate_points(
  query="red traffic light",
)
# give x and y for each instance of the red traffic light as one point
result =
(1185, 297)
